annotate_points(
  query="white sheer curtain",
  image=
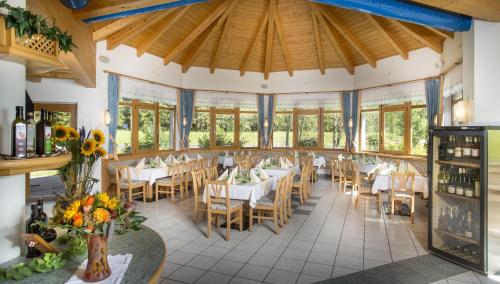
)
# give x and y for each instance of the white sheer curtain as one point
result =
(225, 100)
(413, 92)
(145, 91)
(452, 83)
(326, 100)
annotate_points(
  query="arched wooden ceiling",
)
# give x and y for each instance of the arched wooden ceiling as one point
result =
(267, 36)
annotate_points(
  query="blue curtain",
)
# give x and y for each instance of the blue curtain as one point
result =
(260, 105)
(346, 114)
(432, 88)
(354, 115)
(270, 117)
(113, 81)
(186, 110)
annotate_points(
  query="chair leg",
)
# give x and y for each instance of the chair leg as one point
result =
(392, 206)
(357, 200)
(241, 219)
(144, 194)
(282, 216)
(412, 214)
(379, 201)
(275, 221)
(228, 226)
(172, 192)
(156, 192)
(196, 211)
(301, 192)
(217, 221)
(181, 191)
(209, 219)
(250, 219)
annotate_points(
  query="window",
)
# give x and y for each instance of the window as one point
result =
(224, 129)
(249, 129)
(167, 127)
(124, 127)
(308, 128)
(393, 131)
(283, 130)
(199, 137)
(146, 120)
(333, 130)
(369, 131)
(419, 131)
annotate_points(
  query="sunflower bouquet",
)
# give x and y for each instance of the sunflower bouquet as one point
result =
(86, 149)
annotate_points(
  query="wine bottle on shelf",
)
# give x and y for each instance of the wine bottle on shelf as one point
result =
(42, 216)
(469, 185)
(52, 136)
(450, 152)
(468, 224)
(475, 148)
(43, 136)
(19, 134)
(47, 234)
(32, 228)
(442, 149)
(467, 149)
(451, 187)
(459, 190)
(458, 148)
(30, 135)
(441, 180)
(461, 221)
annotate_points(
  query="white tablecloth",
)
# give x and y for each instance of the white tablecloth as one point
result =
(226, 161)
(319, 162)
(277, 173)
(383, 182)
(250, 192)
(366, 167)
(149, 175)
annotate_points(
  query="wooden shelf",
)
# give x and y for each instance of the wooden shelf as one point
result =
(24, 166)
(463, 197)
(457, 237)
(458, 164)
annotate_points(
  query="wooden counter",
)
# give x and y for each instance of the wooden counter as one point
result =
(24, 166)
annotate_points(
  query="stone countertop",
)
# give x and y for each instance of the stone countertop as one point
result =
(148, 255)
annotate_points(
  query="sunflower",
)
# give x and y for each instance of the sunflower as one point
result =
(112, 203)
(61, 133)
(101, 215)
(100, 151)
(98, 136)
(89, 147)
(72, 210)
(103, 198)
(73, 133)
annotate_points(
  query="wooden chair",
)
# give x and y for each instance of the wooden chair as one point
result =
(403, 188)
(299, 188)
(214, 162)
(187, 177)
(288, 197)
(211, 173)
(334, 166)
(272, 203)
(172, 183)
(199, 180)
(364, 188)
(218, 205)
(128, 184)
(346, 175)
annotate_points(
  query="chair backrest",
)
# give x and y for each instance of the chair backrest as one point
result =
(304, 174)
(289, 182)
(334, 166)
(215, 161)
(176, 172)
(212, 173)
(198, 181)
(280, 190)
(345, 167)
(403, 182)
(120, 172)
(215, 190)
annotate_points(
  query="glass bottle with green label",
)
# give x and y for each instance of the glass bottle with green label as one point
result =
(19, 134)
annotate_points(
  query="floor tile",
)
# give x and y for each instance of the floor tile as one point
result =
(194, 248)
(302, 245)
(202, 262)
(277, 276)
(321, 258)
(288, 264)
(238, 255)
(254, 272)
(296, 254)
(349, 262)
(308, 279)
(187, 274)
(263, 260)
(237, 280)
(180, 257)
(340, 271)
(214, 278)
(169, 268)
(227, 267)
(216, 252)
(317, 269)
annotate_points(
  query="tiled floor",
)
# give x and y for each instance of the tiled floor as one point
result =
(327, 239)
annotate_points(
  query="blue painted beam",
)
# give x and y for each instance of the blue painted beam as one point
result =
(142, 10)
(407, 12)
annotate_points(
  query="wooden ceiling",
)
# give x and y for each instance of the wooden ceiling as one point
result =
(486, 10)
(264, 35)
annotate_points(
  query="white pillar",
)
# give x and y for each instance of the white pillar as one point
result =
(12, 188)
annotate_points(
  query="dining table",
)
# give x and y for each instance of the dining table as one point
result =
(250, 191)
(226, 161)
(319, 161)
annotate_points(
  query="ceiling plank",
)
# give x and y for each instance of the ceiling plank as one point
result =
(191, 57)
(269, 39)
(350, 37)
(281, 36)
(115, 26)
(82, 60)
(160, 30)
(136, 28)
(196, 32)
(317, 41)
(381, 27)
(441, 33)
(486, 10)
(227, 23)
(249, 53)
(348, 64)
(421, 34)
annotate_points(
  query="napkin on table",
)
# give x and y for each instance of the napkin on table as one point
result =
(169, 160)
(283, 165)
(223, 176)
(262, 174)
(254, 177)
(378, 160)
(199, 157)
(232, 176)
(268, 161)
(140, 166)
(288, 163)
(174, 160)
(162, 164)
(260, 164)
(186, 158)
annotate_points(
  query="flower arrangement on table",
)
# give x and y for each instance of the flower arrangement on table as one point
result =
(89, 218)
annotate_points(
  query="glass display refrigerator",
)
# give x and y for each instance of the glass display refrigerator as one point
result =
(464, 211)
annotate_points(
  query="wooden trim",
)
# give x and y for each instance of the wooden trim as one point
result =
(23, 166)
(269, 39)
(115, 26)
(317, 41)
(377, 23)
(420, 33)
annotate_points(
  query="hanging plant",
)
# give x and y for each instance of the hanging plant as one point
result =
(29, 25)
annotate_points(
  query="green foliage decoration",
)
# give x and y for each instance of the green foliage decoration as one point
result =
(28, 24)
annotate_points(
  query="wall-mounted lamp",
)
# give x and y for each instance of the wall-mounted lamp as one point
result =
(350, 122)
(184, 121)
(107, 117)
(266, 123)
(460, 112)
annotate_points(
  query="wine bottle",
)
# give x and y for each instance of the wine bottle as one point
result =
(451, 148)
(47, 234)
(475, 148)
(43, 136)
(451, 187)
(468, 224)
(19, 134)
(52, 136)
(32, 228)
(467, 149)
(458, 149)
(477, 184)
(442, 149)
(469, 185)
(441, 180)
(42, 216)
(30, 135)
(459, 190)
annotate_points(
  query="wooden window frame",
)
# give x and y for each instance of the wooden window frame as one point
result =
(299, 112)
(239, 125)
(359, 129)
(412, 107)
(209, 111)
(236, 133)
(293, 129)
(323, 129)
(72, 108)
(172, 127)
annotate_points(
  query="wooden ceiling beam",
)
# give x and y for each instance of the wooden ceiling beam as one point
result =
(421, 34)
(228, 15)
(350, 37)
(281, 36)
(486, 10)
(382, 28)
(250, 52)
(115, 26)
(348, 64)
(136, 28)
(441, 33)
(317, 41)
(269, 39)
(196, 32)
(160, 30)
